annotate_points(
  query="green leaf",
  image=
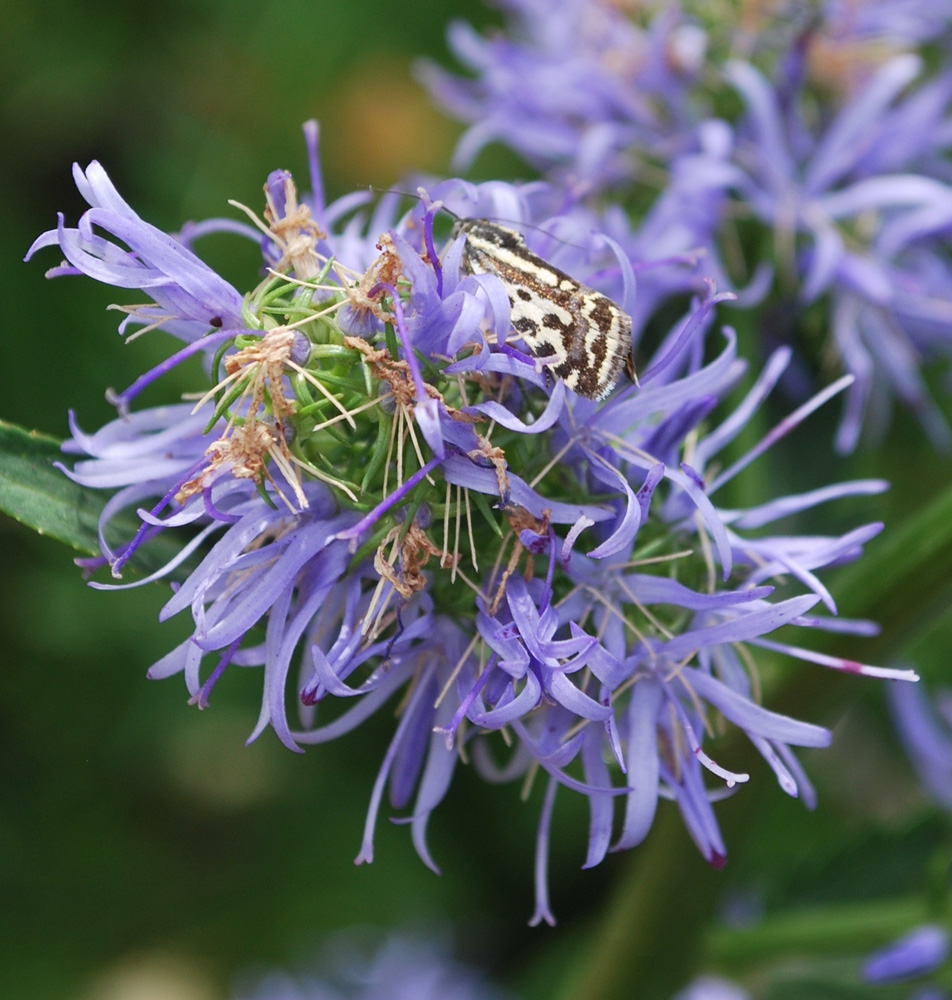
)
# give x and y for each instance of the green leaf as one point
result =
(44, 499)
(40, 496)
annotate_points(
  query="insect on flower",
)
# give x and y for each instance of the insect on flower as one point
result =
(554, 314)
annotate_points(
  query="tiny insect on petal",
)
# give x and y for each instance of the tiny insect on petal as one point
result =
(552, 312)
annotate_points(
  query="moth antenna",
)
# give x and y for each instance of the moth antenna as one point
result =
(555, 236)
(404, 194)
(422, 195)
(439, 205)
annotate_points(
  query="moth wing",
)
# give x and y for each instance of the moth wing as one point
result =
(597, 342)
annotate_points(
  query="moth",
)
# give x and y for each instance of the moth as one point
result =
(552, 312)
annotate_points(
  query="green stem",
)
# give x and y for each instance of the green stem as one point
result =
(661, 902)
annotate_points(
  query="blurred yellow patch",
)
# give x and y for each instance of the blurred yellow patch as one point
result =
(382, 125)
(153, 976)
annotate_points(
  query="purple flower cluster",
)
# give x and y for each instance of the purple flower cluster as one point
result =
(353, 967)
(838, 157)
(861, 212)
(577, 84)
(888, 22)
(379, 494)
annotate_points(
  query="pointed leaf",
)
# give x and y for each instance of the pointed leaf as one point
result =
(39, 496)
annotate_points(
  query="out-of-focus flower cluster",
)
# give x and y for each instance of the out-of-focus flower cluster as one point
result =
(925, 728)
(810, 143)
(915, 954)
(378, 496)
(355, 966)
(712, 988)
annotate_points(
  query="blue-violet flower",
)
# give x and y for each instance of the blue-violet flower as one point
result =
(378, 493)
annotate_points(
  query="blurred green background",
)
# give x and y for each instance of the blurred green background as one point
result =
(142, 846)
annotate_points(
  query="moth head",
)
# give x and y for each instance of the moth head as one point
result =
(489, 233)
(461, 226)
